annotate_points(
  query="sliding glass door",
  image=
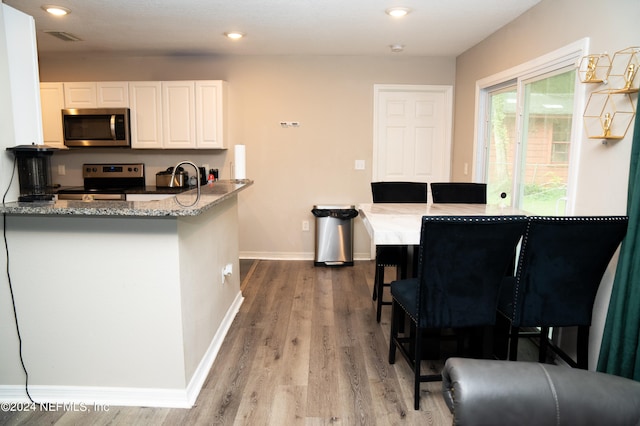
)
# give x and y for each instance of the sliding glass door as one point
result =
(502, 144)
(528, 142)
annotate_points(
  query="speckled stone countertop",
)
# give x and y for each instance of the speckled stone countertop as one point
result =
(182, 204)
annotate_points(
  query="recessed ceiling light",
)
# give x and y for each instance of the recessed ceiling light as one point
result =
(56, 10)
(397, 48)
(234, 35)
(398, 12)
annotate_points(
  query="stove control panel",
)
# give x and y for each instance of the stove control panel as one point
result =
(115, 171)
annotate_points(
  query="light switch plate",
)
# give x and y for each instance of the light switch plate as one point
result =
(359, 164)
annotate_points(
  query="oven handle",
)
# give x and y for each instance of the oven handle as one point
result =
(112, 123)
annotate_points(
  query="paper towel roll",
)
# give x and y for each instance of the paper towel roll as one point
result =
(240, 167)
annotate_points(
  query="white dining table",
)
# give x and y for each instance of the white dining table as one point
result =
(400, 223)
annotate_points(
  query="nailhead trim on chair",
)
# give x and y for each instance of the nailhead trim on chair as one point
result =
(472, 218)
(525, 246)
(525, 239)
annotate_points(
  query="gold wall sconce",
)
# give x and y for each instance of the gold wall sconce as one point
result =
(623, 76)
(594, 68)
(608, 115)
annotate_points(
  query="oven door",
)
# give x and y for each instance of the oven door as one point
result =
(104, 127)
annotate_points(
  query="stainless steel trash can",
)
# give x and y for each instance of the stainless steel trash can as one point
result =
(334, 234)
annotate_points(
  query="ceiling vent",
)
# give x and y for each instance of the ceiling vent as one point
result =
(64, 36)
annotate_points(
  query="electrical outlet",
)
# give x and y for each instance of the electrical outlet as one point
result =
(305, 225)
(226, 272)
(206, 168)
(359, 165)
(62, 170)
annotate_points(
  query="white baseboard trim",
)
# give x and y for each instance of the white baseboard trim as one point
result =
(292, 256)
(201, 373)
(90, 398)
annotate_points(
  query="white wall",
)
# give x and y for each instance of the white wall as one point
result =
(294, 168)
(552, 24)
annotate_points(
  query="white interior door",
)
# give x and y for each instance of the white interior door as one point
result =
(412, 133)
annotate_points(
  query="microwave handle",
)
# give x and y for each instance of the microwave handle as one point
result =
(112, 124)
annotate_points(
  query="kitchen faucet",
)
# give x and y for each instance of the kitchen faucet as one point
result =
(173, 176)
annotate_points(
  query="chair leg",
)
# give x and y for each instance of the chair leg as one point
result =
(583, 347)
(417, 356)
(487, 342)
(380, 289)
(460, 343)
(376, 281)
(501, 337)
(544, 343)
(395, 318)
(513, 343)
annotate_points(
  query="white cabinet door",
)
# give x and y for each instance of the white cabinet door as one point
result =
(103, 94)
(145, 98)
(112, 94)
(178, 114)
(80, 95)
(210, 107)
(52, 103)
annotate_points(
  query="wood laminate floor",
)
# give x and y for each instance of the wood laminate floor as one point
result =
(305, 349)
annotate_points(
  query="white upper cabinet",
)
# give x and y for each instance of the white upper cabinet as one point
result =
(164, 114)
(52, 103)
(178, 114)
(80, 95)
(112, 94)
(210, 117)
(96, 94)
(145, 99)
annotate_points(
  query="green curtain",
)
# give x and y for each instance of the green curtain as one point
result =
(619, 353)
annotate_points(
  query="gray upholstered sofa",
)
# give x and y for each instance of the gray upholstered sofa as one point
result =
(487, 392)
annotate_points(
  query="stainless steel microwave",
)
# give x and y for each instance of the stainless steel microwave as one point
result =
(104, 127)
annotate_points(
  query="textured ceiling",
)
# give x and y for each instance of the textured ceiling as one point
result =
(272, 27)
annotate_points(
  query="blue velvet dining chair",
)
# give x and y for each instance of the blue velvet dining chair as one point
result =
(561, 263)
(392, 256)
(461, 263)
(459, 192)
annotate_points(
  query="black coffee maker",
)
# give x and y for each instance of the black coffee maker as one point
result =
(34, 171)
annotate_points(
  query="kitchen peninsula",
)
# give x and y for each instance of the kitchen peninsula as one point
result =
(123, 303)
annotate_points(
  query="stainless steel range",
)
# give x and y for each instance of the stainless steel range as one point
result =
(106, 182)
